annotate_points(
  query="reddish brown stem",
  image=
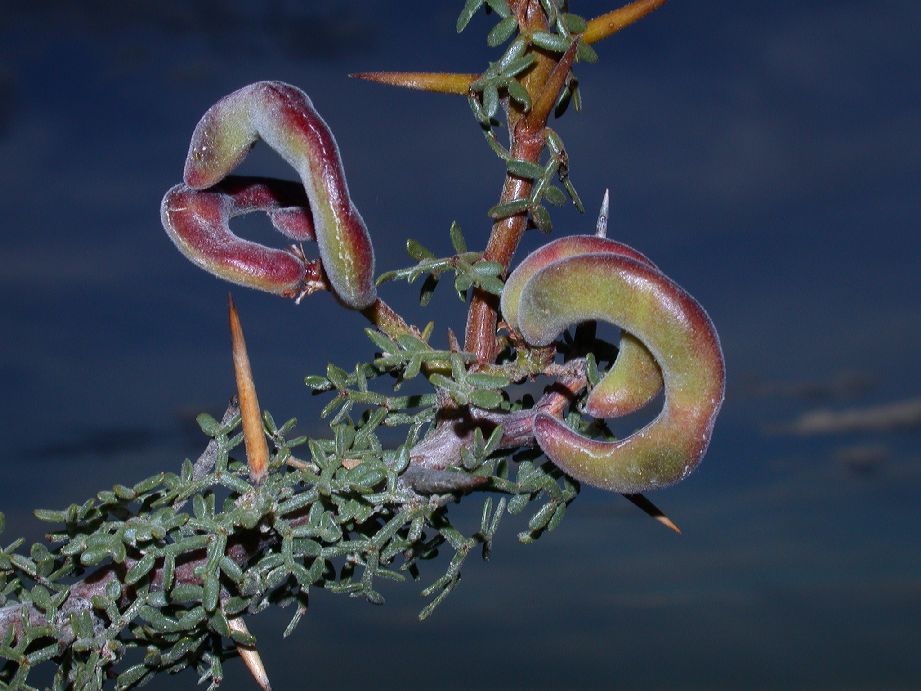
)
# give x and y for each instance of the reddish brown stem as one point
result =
(544, 83)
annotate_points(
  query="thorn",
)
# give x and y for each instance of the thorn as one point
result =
(438, 82)
(610, 23)
(453, 344)
(601, 227)
(543, 105)
(257, 450)
(653, 511)
(250, 656)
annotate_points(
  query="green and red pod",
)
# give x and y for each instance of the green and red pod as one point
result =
(283, 117)
(198, 222)
(677, 332)
(634, 379)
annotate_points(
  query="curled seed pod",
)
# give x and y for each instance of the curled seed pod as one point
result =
(672, 326)
(198, 223)
(634, 379)
(283, 117)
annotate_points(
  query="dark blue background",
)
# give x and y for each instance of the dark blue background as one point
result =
(767, 155)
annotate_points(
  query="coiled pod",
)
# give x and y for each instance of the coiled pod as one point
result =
(283, 117)
(198, 223)
(631, 293)
(634, 379)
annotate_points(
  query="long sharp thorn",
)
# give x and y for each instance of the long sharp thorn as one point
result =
(438, 82)
(653, 511)
(601, 27)
(250, 656)
(257, 450)
(601, 227)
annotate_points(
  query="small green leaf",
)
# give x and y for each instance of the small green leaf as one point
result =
(462, 283)
(131, 676)
(46, 515)
(140, 569)
(574, 23)
(478, 113)
(554, 143)
(507, 209)
(487, 268)
(427, 290)
(337, 376)
(517, 503)
(417, 251)
(557, 517)
(380, 340)
(573, 195)
(524, 169)
(491, 284)
(542, 219)
(412, 367)
(148, 484)
(493, 443)
(550, 8)
(470, 8)
(542, 517)
(586, 53)
(481, 380)
(554, 195)
(490, 100)
(514, 67)
(514, 51)
(212, 588)
(208, 424)
(500, 7)
(591, 369)
(485, 398)
(457, 238)
(502, 31)
(518, 93)
(552, 42)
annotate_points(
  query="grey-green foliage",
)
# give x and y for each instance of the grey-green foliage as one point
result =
(470, 269)
(180, 554)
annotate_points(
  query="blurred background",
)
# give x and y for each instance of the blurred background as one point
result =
(767, 155)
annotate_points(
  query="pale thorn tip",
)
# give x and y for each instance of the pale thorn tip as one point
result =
(601, 227)
(653, 511)
(250, 656)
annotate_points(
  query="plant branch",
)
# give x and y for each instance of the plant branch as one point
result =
(385, 318)
(543, 83)
(601, 27)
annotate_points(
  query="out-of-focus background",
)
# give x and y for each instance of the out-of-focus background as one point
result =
(765, 154)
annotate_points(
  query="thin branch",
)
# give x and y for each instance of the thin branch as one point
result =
(387, 320)
(601, 27)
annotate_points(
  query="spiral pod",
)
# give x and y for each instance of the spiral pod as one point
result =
(634, 379)
(198, 224)
(671, 325)
(283, 117)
